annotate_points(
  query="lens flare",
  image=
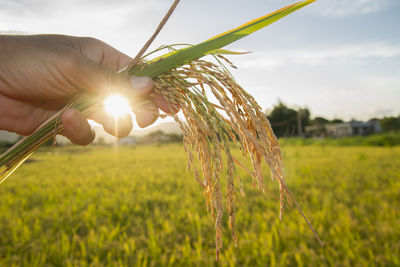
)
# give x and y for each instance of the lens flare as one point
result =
(117, 105)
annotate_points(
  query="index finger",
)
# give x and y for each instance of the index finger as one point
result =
(103, 54)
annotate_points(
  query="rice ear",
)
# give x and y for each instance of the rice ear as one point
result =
(211, 134)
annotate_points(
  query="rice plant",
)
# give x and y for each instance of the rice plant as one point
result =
(209, 129)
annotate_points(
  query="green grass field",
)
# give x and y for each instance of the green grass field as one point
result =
(139, 206)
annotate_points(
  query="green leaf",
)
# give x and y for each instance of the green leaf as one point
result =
(226, 52)
(213, 52)
(185, 55)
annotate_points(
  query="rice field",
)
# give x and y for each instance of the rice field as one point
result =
(105, 206)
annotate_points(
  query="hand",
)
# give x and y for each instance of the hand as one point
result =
(40, 73)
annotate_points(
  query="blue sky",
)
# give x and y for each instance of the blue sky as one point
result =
(339, 58)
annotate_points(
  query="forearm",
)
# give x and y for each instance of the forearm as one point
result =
(5, 54)
(4, 43)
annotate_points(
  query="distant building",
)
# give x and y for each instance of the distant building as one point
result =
(155, 137)
(315, 130)
(344, 129)
(352, 128)
(129, 141)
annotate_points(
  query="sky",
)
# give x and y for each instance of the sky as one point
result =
(339, 58)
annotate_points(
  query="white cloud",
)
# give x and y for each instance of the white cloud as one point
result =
(319, 56)
(42, 14)
(340, 8)
(125, 25)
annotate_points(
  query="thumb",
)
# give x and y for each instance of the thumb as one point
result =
(88, 75)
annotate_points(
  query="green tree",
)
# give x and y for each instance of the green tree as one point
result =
(336, 121)
(319, 121)
(285, 121)
(390, 124)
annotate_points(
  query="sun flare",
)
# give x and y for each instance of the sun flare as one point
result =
(117, 105)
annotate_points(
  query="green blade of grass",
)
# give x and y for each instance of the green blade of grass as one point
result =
(177, 58)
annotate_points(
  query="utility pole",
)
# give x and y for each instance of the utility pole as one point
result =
(299, 126)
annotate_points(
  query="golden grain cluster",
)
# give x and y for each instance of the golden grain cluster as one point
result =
(210, 130)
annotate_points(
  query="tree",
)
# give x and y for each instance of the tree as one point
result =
(319, 121)
(336, 121)
(390, 124)
(285, 120)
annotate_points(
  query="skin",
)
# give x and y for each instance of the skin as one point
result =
(39, 74)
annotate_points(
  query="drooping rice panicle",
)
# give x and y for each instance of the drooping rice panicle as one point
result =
(211, 133)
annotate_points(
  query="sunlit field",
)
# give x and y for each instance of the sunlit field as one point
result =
(103, 206)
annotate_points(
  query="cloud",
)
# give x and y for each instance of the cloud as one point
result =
(38, 7)
(125, 24)
(319, 56)
(15, 11)
(15, 8)
(341, 8)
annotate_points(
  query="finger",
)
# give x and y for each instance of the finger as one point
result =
(164, 106)
(92, 48)
(110, 58)
(118, 126)
(76, 127)
(85, 74)
(103, 54)
(147, 114)
(22, 118)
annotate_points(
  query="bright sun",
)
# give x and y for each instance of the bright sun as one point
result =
(117, 105)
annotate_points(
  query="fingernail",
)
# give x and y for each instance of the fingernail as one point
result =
(140, 84)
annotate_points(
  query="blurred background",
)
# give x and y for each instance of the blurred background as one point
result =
(328, 78)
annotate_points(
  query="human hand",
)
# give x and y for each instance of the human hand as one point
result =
(39, 74)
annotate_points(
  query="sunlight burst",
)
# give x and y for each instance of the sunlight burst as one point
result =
(117, 105)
